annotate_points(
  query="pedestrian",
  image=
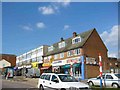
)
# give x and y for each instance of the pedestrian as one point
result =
(7, 76)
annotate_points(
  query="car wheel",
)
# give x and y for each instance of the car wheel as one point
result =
(41, 87)
(90, 83)
(115, 85)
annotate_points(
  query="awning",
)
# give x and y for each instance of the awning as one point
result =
(46, 64)
(66, 66)
(76, 65)
(42, 68)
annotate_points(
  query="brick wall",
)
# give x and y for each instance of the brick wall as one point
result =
(9, 58)
(91, 71)
(92, 48)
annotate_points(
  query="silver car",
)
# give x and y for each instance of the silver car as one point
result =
(108, 80)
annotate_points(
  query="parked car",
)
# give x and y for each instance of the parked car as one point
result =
(108, 79)
(51, 81)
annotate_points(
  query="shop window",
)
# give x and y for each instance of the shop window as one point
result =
(61, 55)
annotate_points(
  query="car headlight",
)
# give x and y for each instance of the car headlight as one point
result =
(73, 88)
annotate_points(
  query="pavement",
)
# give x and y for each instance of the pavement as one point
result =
(22, 79)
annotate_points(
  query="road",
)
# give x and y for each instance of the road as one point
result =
(13, 85)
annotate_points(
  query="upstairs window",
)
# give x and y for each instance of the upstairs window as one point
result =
(61, 44)
(70, 53)
(40, 50)
(56, 56)
(50, 48)
(77, 51)
(61, 55)
(76, 40)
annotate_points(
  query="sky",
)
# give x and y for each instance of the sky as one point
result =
(27, 25)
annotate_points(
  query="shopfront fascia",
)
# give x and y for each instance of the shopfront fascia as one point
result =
(46, 68)
(34, 65)
(57, 64)
(73, 66)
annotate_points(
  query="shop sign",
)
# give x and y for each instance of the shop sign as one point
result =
(73, 60)
(35, 65)
(59, 63)
(46, 64)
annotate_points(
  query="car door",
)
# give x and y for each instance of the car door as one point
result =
(47, 81)
(55, 83)
(97, 81)
(108, 80)
(42, 80)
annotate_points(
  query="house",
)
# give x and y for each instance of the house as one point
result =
(7, 63)
(77, 55)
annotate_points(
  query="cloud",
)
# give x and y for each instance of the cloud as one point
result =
(46, 10)
(110, 39)
(26, 27)
(66, 27)
(54, 7)
(40, 25)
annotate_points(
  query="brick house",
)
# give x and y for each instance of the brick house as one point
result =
(114, 65)
(77, 55)
(7, 62)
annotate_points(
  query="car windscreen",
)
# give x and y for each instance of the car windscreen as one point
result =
(118, 75)
(67, 78)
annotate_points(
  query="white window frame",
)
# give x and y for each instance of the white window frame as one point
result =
(73, 40)
(77, 51)
(61, 55)
(70, 53)
(56, 56)
(61, 44)
(50, 48)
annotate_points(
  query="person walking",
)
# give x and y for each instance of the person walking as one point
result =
(7, 76)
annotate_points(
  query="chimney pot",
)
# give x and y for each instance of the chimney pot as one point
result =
(74, 34)
(62, 39)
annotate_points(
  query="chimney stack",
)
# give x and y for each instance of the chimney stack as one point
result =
(74, 34)
(62, 39)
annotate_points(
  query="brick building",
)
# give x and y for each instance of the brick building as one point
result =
(77, 55)
(7, 62)
(114, 65)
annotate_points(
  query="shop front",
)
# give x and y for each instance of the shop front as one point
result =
(56, 66)
(46, 68)
(35, 70)
(73, 67)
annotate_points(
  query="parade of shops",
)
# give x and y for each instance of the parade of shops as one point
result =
(77, 55)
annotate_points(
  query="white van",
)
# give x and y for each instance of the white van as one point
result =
(52, 81)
